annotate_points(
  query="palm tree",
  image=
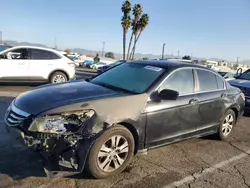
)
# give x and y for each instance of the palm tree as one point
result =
(126, 23)
(143, 23)
(137, 11)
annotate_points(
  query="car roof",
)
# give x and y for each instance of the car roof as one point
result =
(167, 64)
(38, 48)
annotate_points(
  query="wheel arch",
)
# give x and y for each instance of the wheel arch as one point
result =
(134, 132)
(58, 70)
(236, 110)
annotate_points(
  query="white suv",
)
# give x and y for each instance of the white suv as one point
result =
(28, 63)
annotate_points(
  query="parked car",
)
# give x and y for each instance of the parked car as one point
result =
(106, 67)
(101, 123)
(227, 75)
(4, 47)
(29, 63)
(95, 66)
(88, 63)
(242, 82)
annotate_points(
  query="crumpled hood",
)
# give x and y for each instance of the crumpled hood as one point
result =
(49, 96)
(240, 83)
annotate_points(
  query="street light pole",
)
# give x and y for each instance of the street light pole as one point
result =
(1, 39)
(163, 48)
(103, 47)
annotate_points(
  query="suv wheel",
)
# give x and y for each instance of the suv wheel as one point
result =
(58, 77)
(227, 124)
(111, 152)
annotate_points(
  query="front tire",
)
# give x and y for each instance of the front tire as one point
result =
(58, 77)
(227, 124)
(111, 153)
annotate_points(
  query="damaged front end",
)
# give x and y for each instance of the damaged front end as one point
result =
(63, 140)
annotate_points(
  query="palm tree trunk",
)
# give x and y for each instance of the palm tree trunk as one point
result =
(124, 43)
(131, 53)
(131, 38)
(133, 50)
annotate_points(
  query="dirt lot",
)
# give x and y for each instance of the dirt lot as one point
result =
(203, 162)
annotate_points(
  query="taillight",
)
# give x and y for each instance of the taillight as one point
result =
(72, 64)
(242, 95)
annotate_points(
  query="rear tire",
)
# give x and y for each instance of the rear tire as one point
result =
(227, 125)
(58, 77)
(111, 153)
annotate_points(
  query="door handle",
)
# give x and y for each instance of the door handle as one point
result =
(193, 101)
(223, 94)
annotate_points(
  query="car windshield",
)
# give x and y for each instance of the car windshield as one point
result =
(2, 48)
(245, 75)
(130, 77)
(222, 73)
(69, 57)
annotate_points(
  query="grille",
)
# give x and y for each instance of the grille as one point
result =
(14, 116)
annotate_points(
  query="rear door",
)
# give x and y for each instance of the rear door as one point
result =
(211, 95)
(42, 63)
(14, 65)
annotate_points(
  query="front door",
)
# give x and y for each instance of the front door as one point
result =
(14, 65)
(170, 120)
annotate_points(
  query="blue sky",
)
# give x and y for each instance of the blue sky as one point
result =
(205, 28)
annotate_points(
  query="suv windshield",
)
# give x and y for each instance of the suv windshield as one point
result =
(245, 75)
(130, 77)
(69, 57)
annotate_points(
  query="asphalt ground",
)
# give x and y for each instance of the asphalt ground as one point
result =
(196, 163)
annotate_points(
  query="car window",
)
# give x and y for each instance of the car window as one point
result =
(245, 75)
(42, 55)
(181, 81)
(207, 80)
(220, 82)
(16, 54)
(131, 77)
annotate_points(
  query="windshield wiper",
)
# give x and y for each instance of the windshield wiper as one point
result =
(114, 87)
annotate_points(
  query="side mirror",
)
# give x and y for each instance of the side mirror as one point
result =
(226, 77)
(165, 94)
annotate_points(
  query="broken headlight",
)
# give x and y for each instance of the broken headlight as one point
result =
(60, 124)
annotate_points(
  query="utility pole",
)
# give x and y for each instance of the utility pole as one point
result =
(178, 54)
(103, 47)
(163, 48)
(55, 43)
(237, 60)
(1, 39)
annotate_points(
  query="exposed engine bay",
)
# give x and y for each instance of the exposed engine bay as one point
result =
(57, 137)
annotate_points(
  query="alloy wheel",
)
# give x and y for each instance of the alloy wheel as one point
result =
(58, 79)
(227, 125)
(113, 153)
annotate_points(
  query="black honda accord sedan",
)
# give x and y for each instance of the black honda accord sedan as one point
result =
(101, 123)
